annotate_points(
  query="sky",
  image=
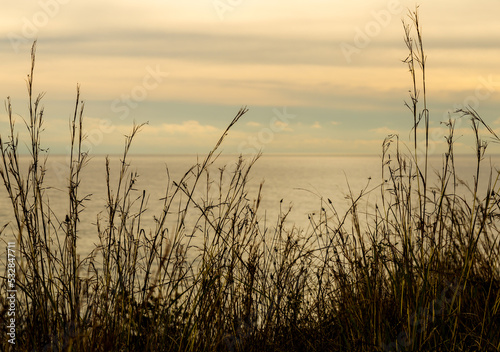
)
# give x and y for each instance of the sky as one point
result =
(322, 77)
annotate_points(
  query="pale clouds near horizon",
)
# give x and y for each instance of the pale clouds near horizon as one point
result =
(217, 57)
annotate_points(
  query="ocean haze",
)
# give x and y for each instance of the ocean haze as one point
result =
(305, 183)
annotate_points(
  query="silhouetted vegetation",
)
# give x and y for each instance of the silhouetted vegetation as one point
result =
(421, 272)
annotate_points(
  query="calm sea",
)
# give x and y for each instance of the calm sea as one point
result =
(300, 181)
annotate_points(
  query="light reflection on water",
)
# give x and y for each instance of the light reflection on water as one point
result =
(298, 180)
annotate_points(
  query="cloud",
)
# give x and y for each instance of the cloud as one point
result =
(282, 126)
(384, 130)
(335, 123)
(253, 124)
(316, 125)
(339, 146)
(190, 127)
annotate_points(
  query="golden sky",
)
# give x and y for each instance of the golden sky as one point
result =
(318, 76)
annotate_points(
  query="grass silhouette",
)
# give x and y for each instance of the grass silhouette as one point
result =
(421, 272)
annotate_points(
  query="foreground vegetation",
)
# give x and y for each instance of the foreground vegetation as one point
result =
(420, 272)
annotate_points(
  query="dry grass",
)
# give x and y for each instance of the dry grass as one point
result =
(421, 272)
